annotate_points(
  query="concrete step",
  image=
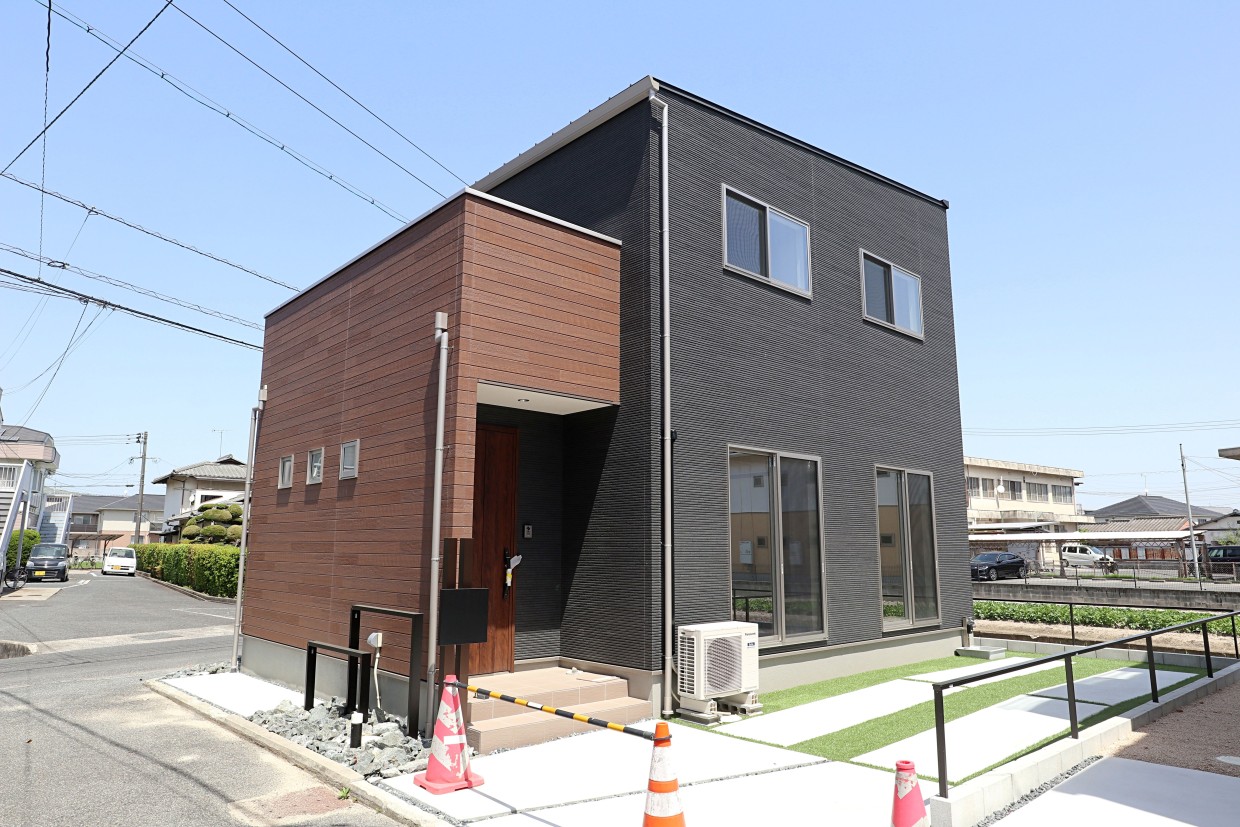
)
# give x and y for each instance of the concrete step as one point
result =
(552, 690)
(526, 727)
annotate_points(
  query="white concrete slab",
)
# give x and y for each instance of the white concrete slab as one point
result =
(792, 726)
(985, 666)
(1120, 791)
(833, 793)
(1116, 686)
(236, 692)
(595, 765)
(983, 738)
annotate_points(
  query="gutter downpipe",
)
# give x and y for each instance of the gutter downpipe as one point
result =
(665, 336)
(251, 447)
(432, 634)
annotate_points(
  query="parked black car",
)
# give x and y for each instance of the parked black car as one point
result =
(992, 565)
(48, 561)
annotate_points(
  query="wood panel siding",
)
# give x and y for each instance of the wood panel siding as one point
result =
(531, 303)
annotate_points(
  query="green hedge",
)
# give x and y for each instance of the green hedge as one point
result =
(1106, 617)
(29, 541)
(203, 568)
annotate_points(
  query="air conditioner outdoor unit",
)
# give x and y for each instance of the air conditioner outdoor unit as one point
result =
(717, 666)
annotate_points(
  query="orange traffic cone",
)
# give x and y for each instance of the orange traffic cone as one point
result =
(662, 799)
(448, 769)
(908, 809)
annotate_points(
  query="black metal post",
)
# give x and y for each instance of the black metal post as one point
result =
(1205, 639)
(1149, 659)
(312, 655)
(940, 734)
(355, 636)
(350, 696)
(413, 709)
(1072, 620)
(1067, 668)
(1234, 641)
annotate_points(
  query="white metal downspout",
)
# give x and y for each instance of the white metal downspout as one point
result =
(432, 610)
(665, 337)
(256, 414)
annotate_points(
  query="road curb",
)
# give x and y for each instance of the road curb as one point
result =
(327, 771)
(210, 598)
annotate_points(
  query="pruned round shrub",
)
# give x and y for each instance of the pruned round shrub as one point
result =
(236, 510)
(218, 515)
(214, 532)
(234, 534)
(190, 532)
(206, 506)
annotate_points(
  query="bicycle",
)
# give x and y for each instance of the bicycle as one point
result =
(15, 578)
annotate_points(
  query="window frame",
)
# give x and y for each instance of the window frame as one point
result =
(1032, 495)
(890, 625)
(310, 465)
(1010, 489)
(862, 255)
(1055, 495)
(766, 209)
(777, 516)
(281, 483)
(357, 458)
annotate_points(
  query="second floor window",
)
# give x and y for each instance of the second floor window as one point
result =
(762, 241)
(1013, 490)
(348, 459)
(1062, 494)
(891, 295)
(286, 472)
(1037, 492)
(314, 466)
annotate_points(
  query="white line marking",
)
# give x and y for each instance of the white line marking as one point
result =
(1229, 759)
(205, 614)
(94, 574)
(78, 644)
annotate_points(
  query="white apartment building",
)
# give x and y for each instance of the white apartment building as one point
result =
(1021, 496)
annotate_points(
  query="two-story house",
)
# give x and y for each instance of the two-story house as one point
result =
(99, 522)
(27, 458)
(697, 370)
(190, 486)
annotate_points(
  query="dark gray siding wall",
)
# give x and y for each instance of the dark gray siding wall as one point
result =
(754, 365)
(604, 181)
(537, 581)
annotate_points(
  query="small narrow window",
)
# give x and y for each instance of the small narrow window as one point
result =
(348, 459)
(314, 466)
(891, 295)
(907, 558)
(761, 241)
(286, 472)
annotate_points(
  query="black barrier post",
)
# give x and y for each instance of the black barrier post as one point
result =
(1234, 641)
(1149, 659)
(1205, 640)
(355, 631)
(940, 737)
(312, 655)
(1067, 668)
(1072, 620)
(413, 707)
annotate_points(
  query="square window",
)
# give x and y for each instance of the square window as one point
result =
(286, 472)
(762, 241)
(891, 295)
(348, 459)
(314, 466)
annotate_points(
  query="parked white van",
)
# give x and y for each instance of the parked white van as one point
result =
(1078, 554)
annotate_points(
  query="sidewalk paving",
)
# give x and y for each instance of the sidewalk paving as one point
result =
(240, 694)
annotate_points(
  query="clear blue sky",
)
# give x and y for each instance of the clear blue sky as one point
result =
(1088, 151)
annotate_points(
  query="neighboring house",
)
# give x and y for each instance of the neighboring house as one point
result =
(27, 458)
(1019, 496)
(190, 486)
(1147, 506)
(98, 523)
(1220, 527)
(172, 525)
(811, 410)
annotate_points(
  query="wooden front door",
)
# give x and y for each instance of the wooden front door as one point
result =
(495, 535)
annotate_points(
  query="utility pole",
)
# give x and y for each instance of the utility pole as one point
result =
(137, 516)
(1192, 535)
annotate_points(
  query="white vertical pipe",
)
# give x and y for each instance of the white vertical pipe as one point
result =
(432, 610)
(251, 449)
(665, 338)
(1192, 535)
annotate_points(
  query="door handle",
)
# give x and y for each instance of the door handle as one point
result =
(507, 572)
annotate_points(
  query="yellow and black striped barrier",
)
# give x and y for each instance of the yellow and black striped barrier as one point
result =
(479, 692)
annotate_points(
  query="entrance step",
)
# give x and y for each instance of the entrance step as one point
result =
(526, 727)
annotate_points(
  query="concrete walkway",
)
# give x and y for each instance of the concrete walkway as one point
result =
(1116, 686)
(240, 694)
(1119, 791)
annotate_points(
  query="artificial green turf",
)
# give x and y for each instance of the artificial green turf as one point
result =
(798, 695)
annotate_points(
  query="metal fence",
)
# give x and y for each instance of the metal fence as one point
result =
(940, 723)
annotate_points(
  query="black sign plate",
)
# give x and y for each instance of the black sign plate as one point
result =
(462, 616)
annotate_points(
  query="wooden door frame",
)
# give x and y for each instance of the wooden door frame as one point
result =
(478, 552)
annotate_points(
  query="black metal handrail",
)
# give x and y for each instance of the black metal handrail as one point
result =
(413, 705)
(940, 717)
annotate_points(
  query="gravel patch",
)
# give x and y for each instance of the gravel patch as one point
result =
(998, 815)
(199, 669)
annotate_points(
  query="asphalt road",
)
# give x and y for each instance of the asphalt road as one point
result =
(84, 744)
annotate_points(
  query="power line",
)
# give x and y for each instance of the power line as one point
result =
(306, 100)
(60, 265)
(203, 100)
(96, 211)
(73, 345)
(66, 292)
(48, 126)
(369, 111)
(61, 361)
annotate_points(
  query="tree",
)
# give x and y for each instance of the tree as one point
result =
(1232, 538)
(29, 540)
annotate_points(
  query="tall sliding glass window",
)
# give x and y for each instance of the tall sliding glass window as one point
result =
(906, 548)
(776, 543)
